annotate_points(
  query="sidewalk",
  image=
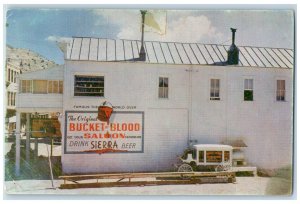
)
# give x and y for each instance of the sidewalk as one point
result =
(244, 186)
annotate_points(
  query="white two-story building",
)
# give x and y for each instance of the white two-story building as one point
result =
(182, 94)
(11, 72)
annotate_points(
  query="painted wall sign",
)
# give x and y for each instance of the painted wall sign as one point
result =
(84, 133)
(45, 127)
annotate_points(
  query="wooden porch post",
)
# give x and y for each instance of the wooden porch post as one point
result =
(28, 137)
(18, 138)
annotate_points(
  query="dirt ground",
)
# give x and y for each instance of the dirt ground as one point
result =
(244, 186)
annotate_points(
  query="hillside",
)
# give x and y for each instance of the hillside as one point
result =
(27, 60)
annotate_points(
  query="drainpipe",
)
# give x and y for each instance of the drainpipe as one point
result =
(190, 70)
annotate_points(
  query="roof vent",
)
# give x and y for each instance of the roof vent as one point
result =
(233, 52)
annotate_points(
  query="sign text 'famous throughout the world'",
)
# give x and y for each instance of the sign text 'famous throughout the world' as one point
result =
(86, 134)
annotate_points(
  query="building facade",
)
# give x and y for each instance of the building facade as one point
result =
(10, 96)
(183, 94)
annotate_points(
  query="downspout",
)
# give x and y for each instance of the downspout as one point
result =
(190, 70)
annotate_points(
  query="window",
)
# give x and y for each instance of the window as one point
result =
(226, 156)
(8, 98)
(26, 86)
(8, 77)
(89, 86)
(50, 87)
(248, 90)
(11, 99)
(39, 86)
(194, 154)
(280, 91)
(163, 91)
(11, 76)
(201, 156)
(13, 102)
(215, 89)
(214, 156)
(55, 87)
(61, 87)
(15, 77)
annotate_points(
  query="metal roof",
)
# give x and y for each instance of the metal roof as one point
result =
(110, 50)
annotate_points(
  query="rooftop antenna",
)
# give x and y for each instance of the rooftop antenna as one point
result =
(142, 54)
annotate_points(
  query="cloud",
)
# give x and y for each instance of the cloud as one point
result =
(182, 26)
(61, 42)
(192, 29)
(119, 17)
(53, 38)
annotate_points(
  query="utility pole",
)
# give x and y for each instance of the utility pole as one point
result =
(142, 53)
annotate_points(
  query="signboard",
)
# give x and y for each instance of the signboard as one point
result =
(45, 127)
(84, 133)
(213, 156)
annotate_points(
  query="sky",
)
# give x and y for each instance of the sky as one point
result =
(38, 29)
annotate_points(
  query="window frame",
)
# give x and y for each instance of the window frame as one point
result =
(165, 90)
(280, 91)
(214, 156)
(15, 77)
(13, 99)
(88, 75)
(201, 156)
(8, 98)
(59, 87)
(41, 80)
(8, 75)
(248, 88)
(226, 156)
(214, 90)
(12, 76)
(30, 86)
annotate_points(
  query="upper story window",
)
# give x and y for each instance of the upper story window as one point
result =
(41, 86)
(248, 90)
(55, 86)
(26, 86)
(89, 86)
(11, 76)
(163, 87)
(8, 98)
(215, 89)
(15, 77)
(8, 74)
(11, 99)
(280, 91)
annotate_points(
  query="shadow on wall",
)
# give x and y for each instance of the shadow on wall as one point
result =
(281, 182)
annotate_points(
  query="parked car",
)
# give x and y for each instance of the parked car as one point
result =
(207, 157)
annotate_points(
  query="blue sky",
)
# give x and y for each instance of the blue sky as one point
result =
(38, 29)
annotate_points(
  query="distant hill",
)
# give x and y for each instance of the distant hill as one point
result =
(27, 60)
